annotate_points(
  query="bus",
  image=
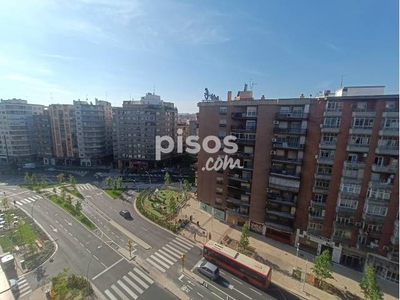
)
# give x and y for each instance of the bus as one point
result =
(238, 264)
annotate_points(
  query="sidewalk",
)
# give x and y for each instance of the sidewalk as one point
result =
(281, 257)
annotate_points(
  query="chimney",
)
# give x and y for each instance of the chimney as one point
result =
(229, 97)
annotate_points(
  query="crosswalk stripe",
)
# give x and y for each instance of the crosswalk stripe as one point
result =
(140, 281)
(166, 255)
(24, 201)
(25, 294)
(144, 276)
(164, 258)
(21, 280)
(173, 249)
(185, 242)
(171, 252)
(36, 197)
(159, 261)
(30, 199)
(118, 291)
(24, 289)
(19, 202)
(128, 290)
(111, 296)
(154, 264)
(133, 285)
(181, 245)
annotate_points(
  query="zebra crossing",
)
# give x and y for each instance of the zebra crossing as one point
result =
(27, 200)
(86, 186)
(129, 286)
(165, 257)
(23, 288)
(80, 173)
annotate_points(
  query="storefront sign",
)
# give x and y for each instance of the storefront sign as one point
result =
(256, 227)
(219, 214)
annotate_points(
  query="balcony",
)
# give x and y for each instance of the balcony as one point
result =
(341, 239)
(284, 184)
(279, 226)
(294, 131)
(357, 148)
(343, 226)
(246, 167)
(323, 176)
(325, 160)
(392, 169)
(348, 195)
(367, 217)
(317, 204)
(283, 159)
(296, 115)
(244, 128)
(345, 211)
(376, 201)
(363, 112)
(280, 200)
(285, 173)
(243, 154)
(361, 130)
(389, 131)
(314, 231)
(242, 116)
(238, 177)
(327, 145)
(290, 146)
(333, 113)
(321, 190)
(329, 128)
(390, 113)
(238, 188)
(280, 214)
(354, 164)
(244, 141)
(380, 185)
(236, 211)
(350, 179)
(389, 150)
(237, 201)
(315, 218)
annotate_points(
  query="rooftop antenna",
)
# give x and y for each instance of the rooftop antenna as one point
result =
(154, 89)
(86, 98)
(106, 95)
(252, 84)
(341, 81)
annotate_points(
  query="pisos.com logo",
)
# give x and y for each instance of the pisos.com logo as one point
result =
(165, 144)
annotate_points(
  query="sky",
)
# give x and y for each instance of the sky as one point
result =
(58, 51)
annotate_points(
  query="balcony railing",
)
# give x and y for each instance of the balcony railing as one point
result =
(354, 164)
(245, 141)
(244, 128)
(372, 218)
(315, 218)
(244, 190)
(286, 173)
(318, 204)
(385, 169)
(237, 201)
(237, 212)
(357, 148)
(390, 150)
(244, 115)
(389, 131)
(314, 231)
(291, 115)
(243, 154)
(380, 185)
(240, 178)
(328, 144)
(345, 211)
(340, 225)
(280, 200)
(284, 145)
(281, 214)
(279, 158)
(341, 239)
(290, 131)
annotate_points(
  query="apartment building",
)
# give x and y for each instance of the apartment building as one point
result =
(183, 130)
(64, 134)
(319, 173)
(135, 127)
(43, 137)
(94, 132)
(17, 139)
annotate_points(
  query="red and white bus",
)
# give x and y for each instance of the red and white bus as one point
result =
(239, 264)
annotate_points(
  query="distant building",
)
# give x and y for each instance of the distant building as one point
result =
(17, 138)
(135, 127)
(43, 137)
(183, 131)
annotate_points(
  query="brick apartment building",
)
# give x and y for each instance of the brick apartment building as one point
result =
(135, 127)
(319, 173)
(43, 136)
(17, 138)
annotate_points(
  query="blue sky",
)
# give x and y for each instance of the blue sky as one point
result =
(71, 49)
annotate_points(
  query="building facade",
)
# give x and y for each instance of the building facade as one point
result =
(135, 127)
(320, 173)
(43, 137)
(17, 138)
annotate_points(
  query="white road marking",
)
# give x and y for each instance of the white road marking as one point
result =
(88, 250)
(180, 278)
(118, 291)
(144, 229)
(157, 266)
(217, 296)
(95, 257)
(82, 245)
(167, 255)
(61, 226)
(111, 296)
(104, 265)
(102, 272)
(200, 295)
(47, 213)
(138, 289)
(159, 261)
(128, 290)
(70, 233)
(236, 280)
(140, 281)
(75, 239)
(181, 245)
(149, 280)
(256, 292)
(56, 221)
(242, 293)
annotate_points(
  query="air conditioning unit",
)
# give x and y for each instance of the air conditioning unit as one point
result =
(321, 126)
(269, 191)
(289, 115)
(358, 224)
(365, 154)
(276, 122)
(385, 248)
(274, 140)
(272, 152)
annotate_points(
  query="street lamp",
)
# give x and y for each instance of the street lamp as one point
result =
(297, 255)
(87, 271)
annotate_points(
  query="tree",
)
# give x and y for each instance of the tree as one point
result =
(62, 194)
(32, 247)
(27, 178)
(59, 285)
(186, 187)
(167, 179)
(60, 178)
(172, 204)
(43, 182)
(323, 267)
(5, 202)
(369, 286)
(69, 199)
(119, 182)
(72, 180)
(78, 206)
(110, 182)
(34, 180)
(244, 237)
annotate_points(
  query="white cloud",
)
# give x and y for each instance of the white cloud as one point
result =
(58, 56)
(37, 84)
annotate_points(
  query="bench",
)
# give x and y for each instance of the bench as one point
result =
(38, 244)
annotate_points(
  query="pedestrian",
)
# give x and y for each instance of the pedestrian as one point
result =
(195, 236)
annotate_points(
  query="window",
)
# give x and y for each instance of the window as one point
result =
(223, 110)
(347, 203)
(332, 122)
(363, 123)
(324, 184)
(324, 169)
(250, 125)
(334, 106)
(220, 180)
(390, 105)
(222, 134)
(326, 154)
(319, 198)
(315, 225)
(329, 138)
(389, 142)
(219, 190)
(361, 140)
(222, 123)
(378, 194)
(390, 124)
(218, 201)
(252, 111)
(342, 233)
(350, 188)
(376, 210)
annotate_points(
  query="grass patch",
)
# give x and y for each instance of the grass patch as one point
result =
(115, 194)
(75, 193)
(17, 236)
(70, 209)
(37, 187)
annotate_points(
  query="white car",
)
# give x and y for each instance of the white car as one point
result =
(51, 169)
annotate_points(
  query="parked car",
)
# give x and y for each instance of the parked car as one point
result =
(51, 169)
(126, 214)
(209, 270)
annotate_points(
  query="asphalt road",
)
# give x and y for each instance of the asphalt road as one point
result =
(83, 253)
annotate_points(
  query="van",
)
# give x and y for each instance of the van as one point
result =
(209, 270)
